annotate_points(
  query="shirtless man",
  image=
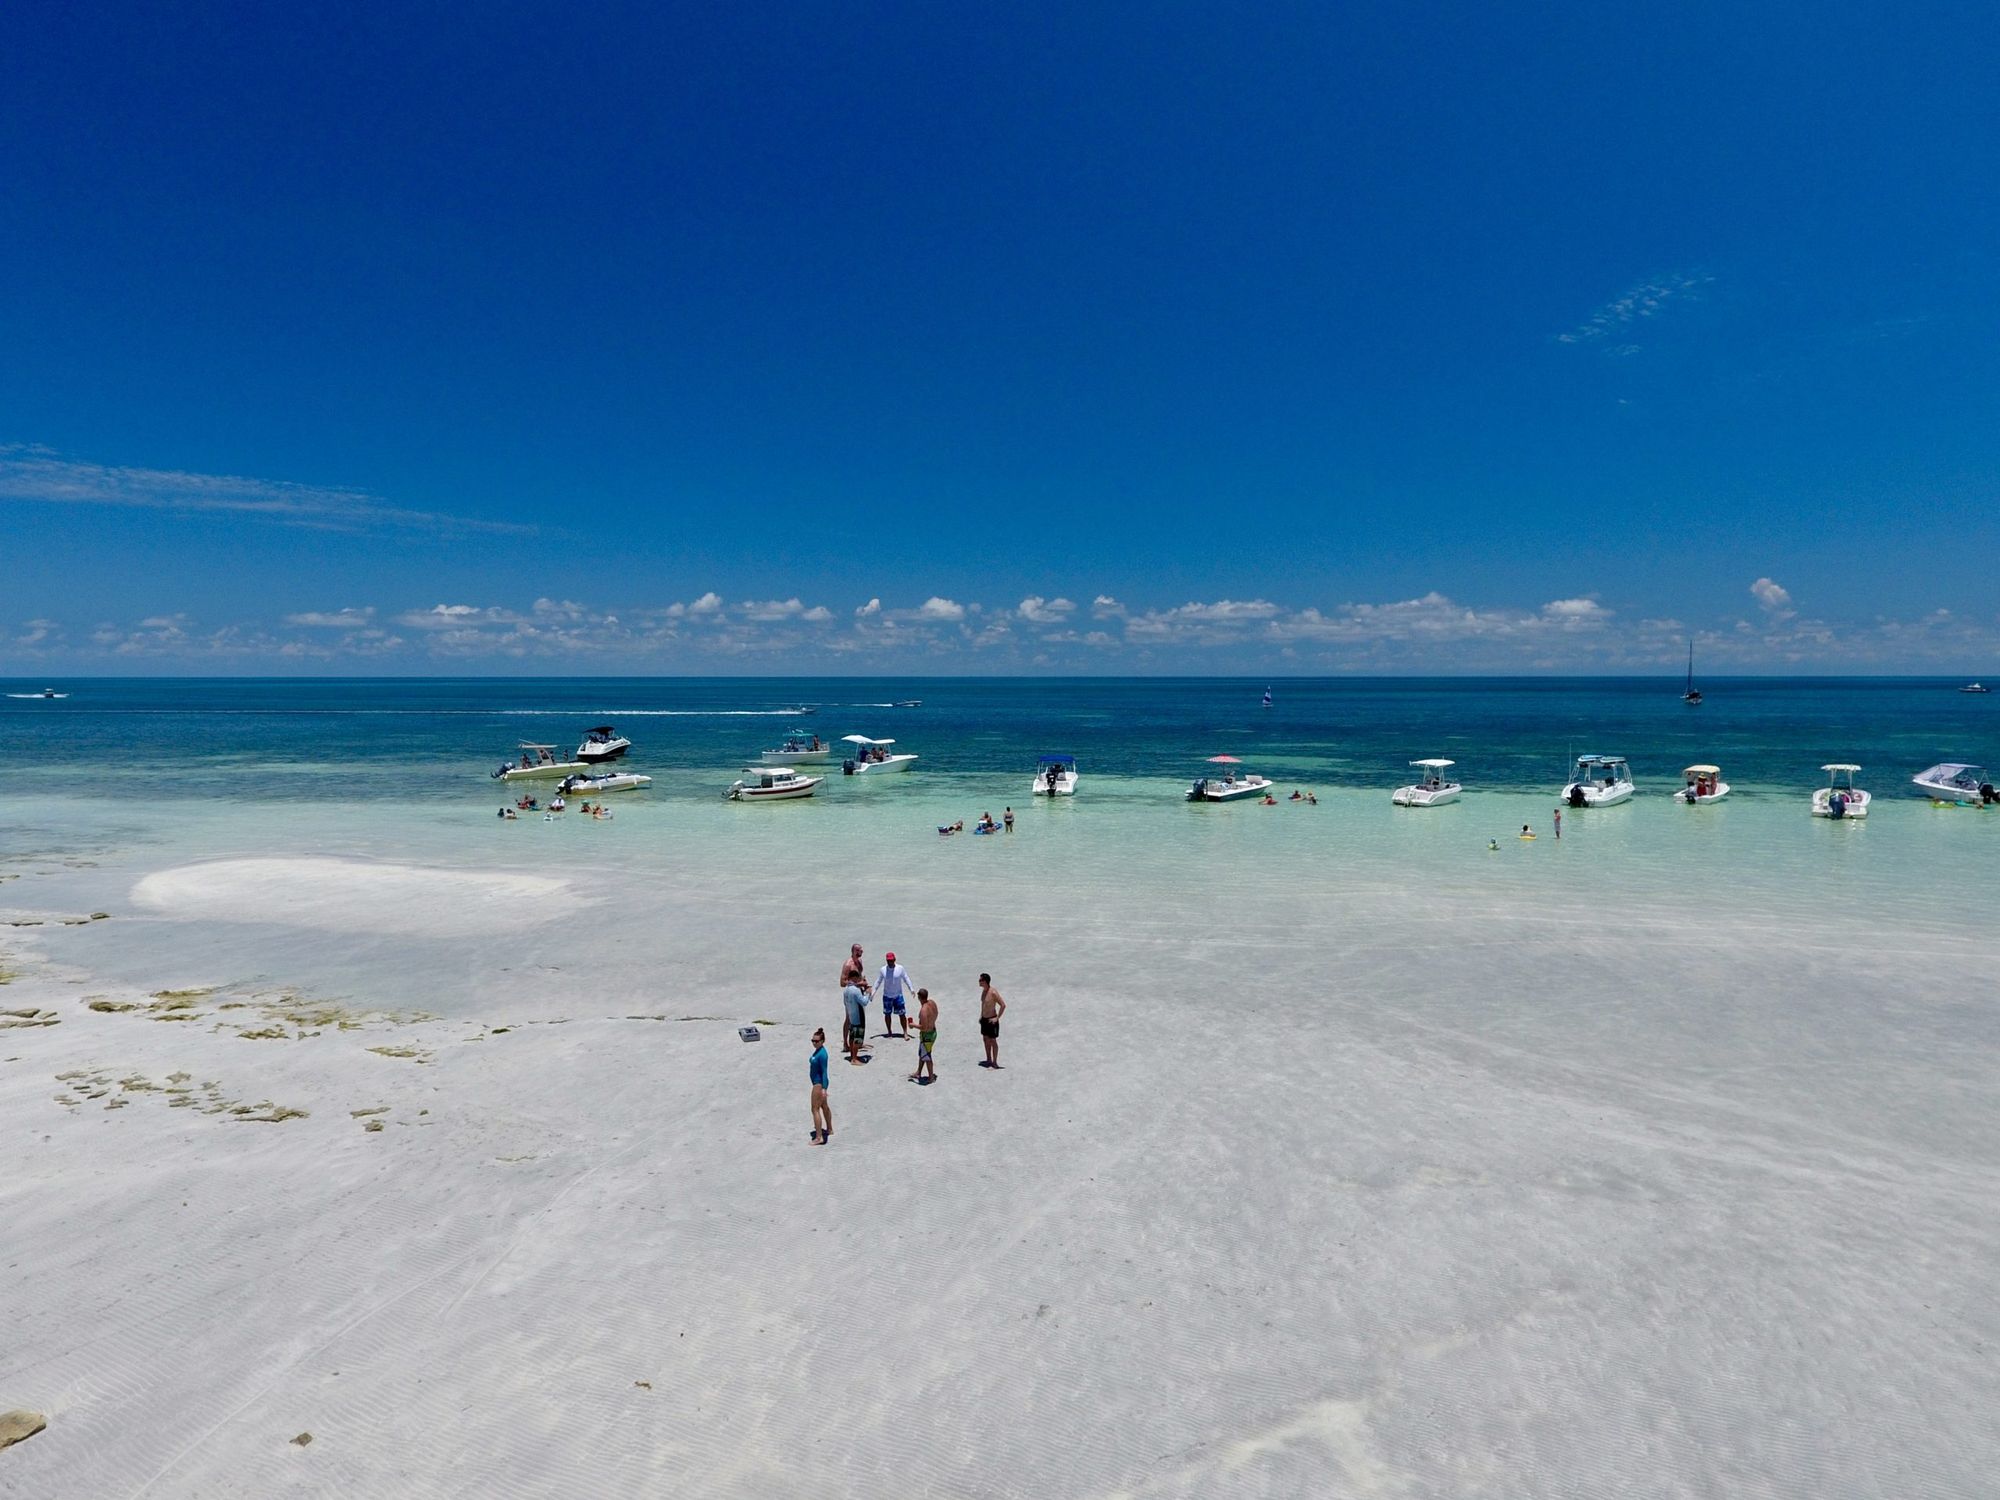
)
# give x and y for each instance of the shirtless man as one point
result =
(991, 1008)
(927, 1014)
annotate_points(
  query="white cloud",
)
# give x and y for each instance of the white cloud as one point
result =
(708, 604)
(935, 608)
(1774, 597)
(817, 614)
(1635, 306)
(335, 619)
(43, 476)
(872, 607)
(1104, 607)
(1039, 611)
(1576, 609)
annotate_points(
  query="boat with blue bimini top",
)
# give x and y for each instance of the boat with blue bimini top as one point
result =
(601, 744)
(1599, 781)
(1055, 776)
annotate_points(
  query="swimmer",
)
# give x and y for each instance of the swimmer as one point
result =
(1493, 844)
(1527, 832)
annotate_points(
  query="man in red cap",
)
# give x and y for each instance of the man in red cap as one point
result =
(892, 984)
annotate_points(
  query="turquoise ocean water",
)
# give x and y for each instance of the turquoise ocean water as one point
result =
(138, 774)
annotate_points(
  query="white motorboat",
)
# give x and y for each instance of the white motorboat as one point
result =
(601, 744)
(799, 749)
(772, 784)
(909, 703)
(1599, 781)
(1231, 785)
(1840, 797)
(44, 693)
(1953, 782)
(537, 762)
(1970, 687)
(1055, 776)
(1704, 784)
(1430, 789)
(873, 757)
(604, 781)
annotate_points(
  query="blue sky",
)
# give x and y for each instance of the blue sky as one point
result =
(1105, 338)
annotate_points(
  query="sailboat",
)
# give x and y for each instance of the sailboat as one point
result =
(1267, 697)
(1692, 697)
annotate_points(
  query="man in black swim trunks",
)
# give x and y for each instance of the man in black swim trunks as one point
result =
(991, 1008)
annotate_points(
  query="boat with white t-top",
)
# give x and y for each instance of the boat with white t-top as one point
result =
(772, 784)
(1432, 788)
(1840, 797)
(1955, 783)
(1975, 687)
(873, 757)
(537, 762)
(1055, 776)
(1228, 785)
(1599, 781)
(800, 749)
(1704, 784)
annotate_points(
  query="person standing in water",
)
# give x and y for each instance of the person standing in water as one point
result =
(893, 983)
(1007, 817)
(822, 1112)
(927, 1017)
(1559, 823)
(991, 1008)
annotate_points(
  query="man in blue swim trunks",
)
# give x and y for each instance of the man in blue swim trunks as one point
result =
(822, 1112)
(892, 984)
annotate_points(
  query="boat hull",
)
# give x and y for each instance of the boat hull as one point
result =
(597, 755)
(1425, 796)
(624, 781)
(545, 773)
(886, 767)
(1822, 805)
(1685, 795)
(1065, 786)
(1597, 795)
(741, 793)
(1233, 791)
(796, 757)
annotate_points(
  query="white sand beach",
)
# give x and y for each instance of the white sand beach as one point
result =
(471, 1179)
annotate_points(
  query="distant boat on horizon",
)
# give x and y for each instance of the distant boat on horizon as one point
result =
(1975, 687)
(1692, 697)
(1267, 697)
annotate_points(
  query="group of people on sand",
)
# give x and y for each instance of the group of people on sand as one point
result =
(893, 986)
(984, 825)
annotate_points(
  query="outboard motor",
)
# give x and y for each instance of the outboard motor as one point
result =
(1199, 789)
(505, 767)
(1576, 797)
(1836, 805)
(1987, 795)
(847, 767)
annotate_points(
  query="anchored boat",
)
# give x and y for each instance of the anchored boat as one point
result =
(601, 744)
(1704, 784)
(1953, 782)
(537, 761)
(604, 781)
(1231, 785)
(1840, 797)
(1430, 789)
(772, 784)
(875, 757)
(1599, 781)
(1055, 776)
(799, 749)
